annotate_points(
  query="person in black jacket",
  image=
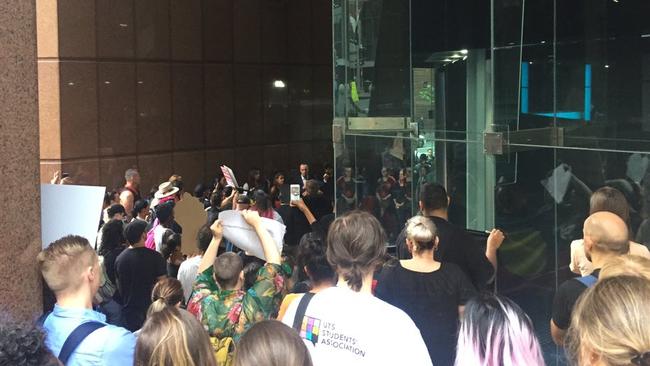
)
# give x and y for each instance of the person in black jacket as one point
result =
(456, 244)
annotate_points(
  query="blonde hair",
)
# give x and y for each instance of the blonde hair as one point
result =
(630, 265)
(167, 292)
(63, 262)
(422, 232)
(611, 320)
(173, 337)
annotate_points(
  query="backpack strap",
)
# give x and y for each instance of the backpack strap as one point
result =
(41, 319)
(588, 280)
(300, 312)
(76, 337)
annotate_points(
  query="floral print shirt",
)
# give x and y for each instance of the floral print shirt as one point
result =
(229, 313)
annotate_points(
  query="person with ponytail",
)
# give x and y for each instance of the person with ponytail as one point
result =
(494, 331)
(167, 292)
(430, 292)
(609, 325)
(173, 337)
(346, 324)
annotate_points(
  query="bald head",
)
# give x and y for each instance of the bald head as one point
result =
(605, 232)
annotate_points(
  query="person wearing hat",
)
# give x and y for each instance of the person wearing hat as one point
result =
(166, 192)
(137, 270)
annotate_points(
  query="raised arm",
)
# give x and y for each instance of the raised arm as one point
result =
(271, 253)
(493, 243)
(229, 199)
(211, 253)
(304, 209)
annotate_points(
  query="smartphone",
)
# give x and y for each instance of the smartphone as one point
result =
(295, 192)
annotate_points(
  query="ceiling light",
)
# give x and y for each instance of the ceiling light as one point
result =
(279, 84)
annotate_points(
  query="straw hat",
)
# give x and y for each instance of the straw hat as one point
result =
(165, 189)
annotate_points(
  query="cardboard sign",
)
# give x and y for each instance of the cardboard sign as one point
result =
(190, 215)
(244, 237)
(230, 176)
(70, 210)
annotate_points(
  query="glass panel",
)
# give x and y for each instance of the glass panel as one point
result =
(375, 174)
(371, 58)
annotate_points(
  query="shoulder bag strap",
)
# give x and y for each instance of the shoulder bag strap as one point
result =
(300, 312)
(76, 337)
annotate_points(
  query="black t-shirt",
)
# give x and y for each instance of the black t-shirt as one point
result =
(456, 246)
(318, 205)
(431, 300)
(565, 299)
(137, 270)
(109, 262)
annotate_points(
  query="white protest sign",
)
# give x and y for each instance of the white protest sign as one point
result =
(230, 176)
(242, 235)
(70, 210)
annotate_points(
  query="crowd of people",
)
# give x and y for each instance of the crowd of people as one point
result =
(334, 295)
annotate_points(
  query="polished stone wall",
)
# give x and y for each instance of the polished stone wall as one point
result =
(180, 86)
(20, 232)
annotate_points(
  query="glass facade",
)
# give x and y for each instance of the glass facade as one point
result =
(520, 108)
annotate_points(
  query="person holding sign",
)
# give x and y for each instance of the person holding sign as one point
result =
(219, 301)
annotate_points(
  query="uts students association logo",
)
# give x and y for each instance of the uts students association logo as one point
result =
(310, 329)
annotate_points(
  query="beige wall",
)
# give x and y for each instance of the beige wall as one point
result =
(182, 86)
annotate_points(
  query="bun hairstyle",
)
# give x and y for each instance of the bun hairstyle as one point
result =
(611, 320)
(167, 292)
(311, 254)
(356, 245)
(422, 233)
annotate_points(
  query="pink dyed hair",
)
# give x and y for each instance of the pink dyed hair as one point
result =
(495, 331)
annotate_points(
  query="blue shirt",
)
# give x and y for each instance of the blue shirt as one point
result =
(109, 345)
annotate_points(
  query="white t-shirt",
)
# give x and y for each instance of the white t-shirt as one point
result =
(158, 233)
(343, 327)
(187, 274)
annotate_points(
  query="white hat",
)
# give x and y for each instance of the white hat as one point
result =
(165, 189)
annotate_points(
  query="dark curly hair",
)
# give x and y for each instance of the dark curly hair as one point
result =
(170, 241)
(112, 236)
(23, 344)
